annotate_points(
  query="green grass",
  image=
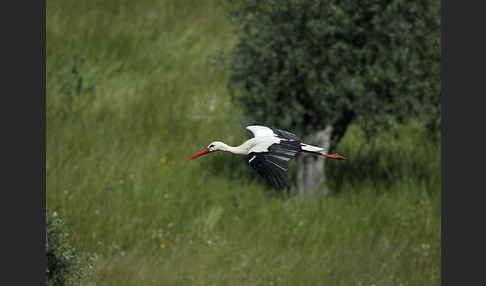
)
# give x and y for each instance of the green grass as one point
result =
(239, 235)
(134, 88)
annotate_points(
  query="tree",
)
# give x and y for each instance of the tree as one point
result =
(315, 66)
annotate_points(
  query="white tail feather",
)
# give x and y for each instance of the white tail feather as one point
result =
(311, 148)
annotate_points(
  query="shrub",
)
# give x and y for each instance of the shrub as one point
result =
(305, 64)
(65, 264)
(316, 66)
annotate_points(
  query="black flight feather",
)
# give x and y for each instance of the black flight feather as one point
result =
(273, 165)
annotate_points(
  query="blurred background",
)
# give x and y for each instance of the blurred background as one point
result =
(134, 88)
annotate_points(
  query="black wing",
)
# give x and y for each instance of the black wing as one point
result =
(285, 134)
(273, 165)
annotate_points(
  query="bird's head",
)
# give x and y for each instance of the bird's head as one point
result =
(214, 146)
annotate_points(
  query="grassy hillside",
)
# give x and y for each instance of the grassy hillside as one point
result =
(134, 88)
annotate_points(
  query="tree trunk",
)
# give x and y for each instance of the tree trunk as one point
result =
(310, 172)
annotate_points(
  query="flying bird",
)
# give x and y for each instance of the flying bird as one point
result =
(269, 152)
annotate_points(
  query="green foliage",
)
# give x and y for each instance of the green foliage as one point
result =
(65, 264)
(117, 168)
(303, 64)
(400, 154)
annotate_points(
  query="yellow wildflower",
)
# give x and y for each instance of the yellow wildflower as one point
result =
(162, 245)
(163, 160)
(220, 210)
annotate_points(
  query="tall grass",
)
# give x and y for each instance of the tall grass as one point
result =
(406, 153)
(133, 90)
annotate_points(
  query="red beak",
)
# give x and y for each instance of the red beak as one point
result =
(200, 153)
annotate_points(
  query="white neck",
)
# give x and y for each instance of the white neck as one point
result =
(242, 149)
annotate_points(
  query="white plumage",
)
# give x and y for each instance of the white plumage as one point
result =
(269, 152)
(260, 131)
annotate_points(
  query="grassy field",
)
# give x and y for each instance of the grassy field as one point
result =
(134, 88)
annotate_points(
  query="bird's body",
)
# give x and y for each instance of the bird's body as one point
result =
(269, 152)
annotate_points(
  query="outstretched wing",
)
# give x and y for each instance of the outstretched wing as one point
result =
(273, 165)
(285, 134)
(260, 131)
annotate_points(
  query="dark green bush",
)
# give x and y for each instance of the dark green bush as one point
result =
(65, 264)
(305, 64)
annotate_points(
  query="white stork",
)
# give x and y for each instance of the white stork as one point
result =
(269, 152)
